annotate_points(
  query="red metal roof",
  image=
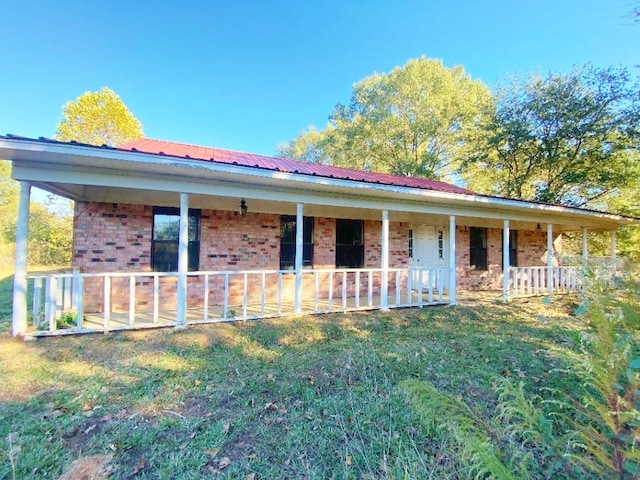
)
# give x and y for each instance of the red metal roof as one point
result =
(209, 154)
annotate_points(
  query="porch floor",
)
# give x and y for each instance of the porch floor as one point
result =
(95, 322)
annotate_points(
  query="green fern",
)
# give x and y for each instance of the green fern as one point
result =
(441, 412)
(591, 433)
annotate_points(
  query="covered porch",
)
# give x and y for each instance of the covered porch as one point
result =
(415, 246)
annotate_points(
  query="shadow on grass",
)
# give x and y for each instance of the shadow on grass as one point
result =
(314, 396)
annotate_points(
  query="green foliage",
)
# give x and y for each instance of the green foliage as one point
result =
(410, 121)
(440, 412)
(50, 236)
(607, 416)
(592, 432)
(8, 209)
(98, 118)
(50, 229)
(67, 320)
(567, 138)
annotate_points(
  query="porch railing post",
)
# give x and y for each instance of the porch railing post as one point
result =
(299, 258)
(19, 315)
(51, 302)
(384, 260)
(505, 261)
(205, 299)
(37, 298)
(79, 301)
(183, 263)
(107, 303)
(549, 259)
(156, 297)
(452, 260)
(132, 300)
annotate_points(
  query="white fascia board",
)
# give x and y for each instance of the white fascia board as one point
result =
(131, 162)
(179, 184)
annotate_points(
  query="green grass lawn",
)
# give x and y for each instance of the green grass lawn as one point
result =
(313, 397)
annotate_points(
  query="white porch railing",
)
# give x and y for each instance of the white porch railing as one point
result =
(131, 300)
(534, 281)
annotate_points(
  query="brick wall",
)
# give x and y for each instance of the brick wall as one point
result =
(531, 251)
(117, 238)
(112, 237)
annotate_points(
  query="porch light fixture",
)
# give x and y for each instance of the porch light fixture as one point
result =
(538, 228)
(243, 208)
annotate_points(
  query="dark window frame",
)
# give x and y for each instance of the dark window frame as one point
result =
(349, 243)
(478, 237)
(513, 248)
(288, 242)
(162, 263)
(411, 243)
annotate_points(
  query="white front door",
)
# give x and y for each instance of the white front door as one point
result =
(425, 249)
(428, 251)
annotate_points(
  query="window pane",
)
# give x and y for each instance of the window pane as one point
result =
(288, 242)
(513, 248)
(349, 243)
(287, 256)
(165, 256)
(166, 233)
(194, 227)
(349, 256)
(349, 232)
(288, 229)
(478, 237)
(478, 248)
(410, 243)
(166, 227)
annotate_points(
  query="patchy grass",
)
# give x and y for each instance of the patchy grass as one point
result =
(310, 397)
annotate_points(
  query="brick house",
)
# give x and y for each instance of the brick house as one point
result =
(167, 233)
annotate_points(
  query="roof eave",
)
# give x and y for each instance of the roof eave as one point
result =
(33, 150)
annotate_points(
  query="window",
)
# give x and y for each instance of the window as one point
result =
(440, 244)
(410, 243)
(478, 248)
(164, 243)
(288, 242)
(513, 248)
(349, 243)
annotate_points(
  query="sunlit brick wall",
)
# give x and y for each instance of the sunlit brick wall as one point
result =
(531, 251)
(117, 238)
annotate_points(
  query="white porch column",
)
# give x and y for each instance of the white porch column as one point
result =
(19, 320)
(298, 258)
(549, 258)
(505, 260)
(585, 246)
(452, 260)
(384, 262)
(183, 262)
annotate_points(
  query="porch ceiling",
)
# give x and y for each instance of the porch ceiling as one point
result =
(114, 176)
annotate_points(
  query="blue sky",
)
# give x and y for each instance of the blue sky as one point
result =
(247, 75)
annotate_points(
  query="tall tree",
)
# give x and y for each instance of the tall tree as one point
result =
(98, 118)
(565, 138)
(410, 121)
